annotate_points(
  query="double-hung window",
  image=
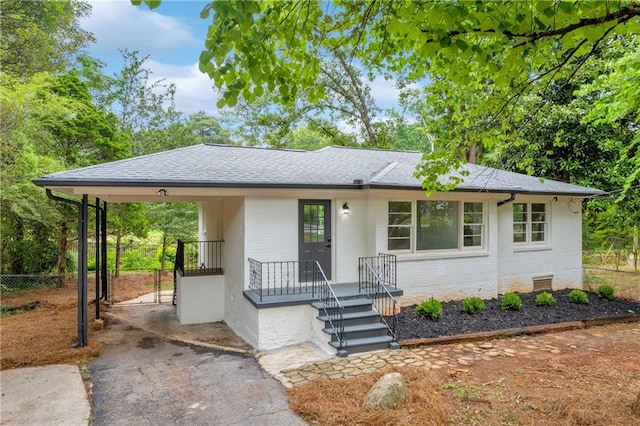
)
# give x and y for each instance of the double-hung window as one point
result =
(530, 223)
(439, 225)
(399, 229)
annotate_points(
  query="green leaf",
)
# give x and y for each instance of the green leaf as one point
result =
(445, 41)
(152, 3)
(461, 44)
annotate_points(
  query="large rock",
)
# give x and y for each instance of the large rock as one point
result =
(388, 392)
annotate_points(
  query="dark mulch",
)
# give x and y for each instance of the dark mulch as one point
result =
(454, 321)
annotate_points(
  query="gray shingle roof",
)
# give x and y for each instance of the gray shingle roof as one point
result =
(331, 167)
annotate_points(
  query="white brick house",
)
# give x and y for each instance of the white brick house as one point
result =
(497, 232)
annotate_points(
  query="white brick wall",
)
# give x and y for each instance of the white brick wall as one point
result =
(562, 257)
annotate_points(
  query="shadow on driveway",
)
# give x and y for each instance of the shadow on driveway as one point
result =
(143, 379)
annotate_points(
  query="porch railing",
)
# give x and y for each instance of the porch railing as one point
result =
(299, 277)
(284, 278)
(197, 258)
(384, 265)
(375, 281)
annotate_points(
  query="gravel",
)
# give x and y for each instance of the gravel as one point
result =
(453, 321)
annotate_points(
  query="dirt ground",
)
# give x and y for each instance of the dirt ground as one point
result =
(44, 335)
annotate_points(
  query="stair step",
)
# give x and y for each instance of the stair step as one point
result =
(358, 328)
(346, 303)
(364, 344)
(359, 331)
(354, 318)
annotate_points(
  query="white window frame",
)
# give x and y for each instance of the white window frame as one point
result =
(529, 223)
(461, 228)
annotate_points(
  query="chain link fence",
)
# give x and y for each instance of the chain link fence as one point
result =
(23, 293)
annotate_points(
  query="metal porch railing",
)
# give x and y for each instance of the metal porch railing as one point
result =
(298, 277)
(377, 275)
(284, 278)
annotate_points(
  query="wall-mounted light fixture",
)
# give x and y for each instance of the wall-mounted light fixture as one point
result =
(162, 192)
(345, 208)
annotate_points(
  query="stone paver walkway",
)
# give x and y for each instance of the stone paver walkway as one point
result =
(463, 354)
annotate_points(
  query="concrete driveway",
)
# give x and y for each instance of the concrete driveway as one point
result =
(143, 379)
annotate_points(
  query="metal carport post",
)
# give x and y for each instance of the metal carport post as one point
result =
(83, 208)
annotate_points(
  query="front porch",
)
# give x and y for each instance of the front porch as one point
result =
(354, 317)
(289, 283)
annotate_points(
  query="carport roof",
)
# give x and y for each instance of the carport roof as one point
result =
(225, 166)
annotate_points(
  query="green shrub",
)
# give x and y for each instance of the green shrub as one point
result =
(545, 299)
(606, 291)
(579, 297)
(473, 305)
(511, 302)
(430, 308)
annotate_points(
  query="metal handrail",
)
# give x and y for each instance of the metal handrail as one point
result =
(382, 299)
(331, 303)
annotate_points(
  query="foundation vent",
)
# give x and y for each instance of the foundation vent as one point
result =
(542, 283)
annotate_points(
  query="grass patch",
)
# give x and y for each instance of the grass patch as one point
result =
(7, 311)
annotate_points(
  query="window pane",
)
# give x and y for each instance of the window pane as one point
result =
(473, 207)
(519, 233)
(437, 225)
(538, 207)
(519, 212)
(473, 241)
(399, 206)
(400, 231)
(472, 236)
(399, 244)
(537, 232)
(313, 225)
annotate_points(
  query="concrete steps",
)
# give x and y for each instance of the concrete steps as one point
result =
(362, 328)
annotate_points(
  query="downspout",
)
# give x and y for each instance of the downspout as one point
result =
(82, 265)
(508, 200)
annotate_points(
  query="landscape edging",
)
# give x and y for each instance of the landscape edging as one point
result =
(511, 332)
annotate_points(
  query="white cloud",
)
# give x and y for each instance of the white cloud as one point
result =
(385, 93)
(118, 24)
(194, 90)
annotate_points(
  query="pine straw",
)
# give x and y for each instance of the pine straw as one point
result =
(44, 336)
(591, 407)
(340, 402)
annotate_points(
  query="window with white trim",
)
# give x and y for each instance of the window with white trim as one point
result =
(439, 225)
(399, 229)
(530, 223)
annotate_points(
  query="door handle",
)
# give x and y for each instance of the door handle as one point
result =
(328, 245)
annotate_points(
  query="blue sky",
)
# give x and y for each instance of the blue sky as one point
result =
(173, 36)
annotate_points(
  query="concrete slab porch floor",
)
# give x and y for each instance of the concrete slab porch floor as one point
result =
(161, 319)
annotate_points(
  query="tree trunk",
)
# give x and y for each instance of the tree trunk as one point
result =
(63, 245)
(635, 252)
(118, 252)
(17, 259)
(474, 152)
(163, 258)
(62, 248)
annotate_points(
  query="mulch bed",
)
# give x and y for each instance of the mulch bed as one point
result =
(454, 321)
